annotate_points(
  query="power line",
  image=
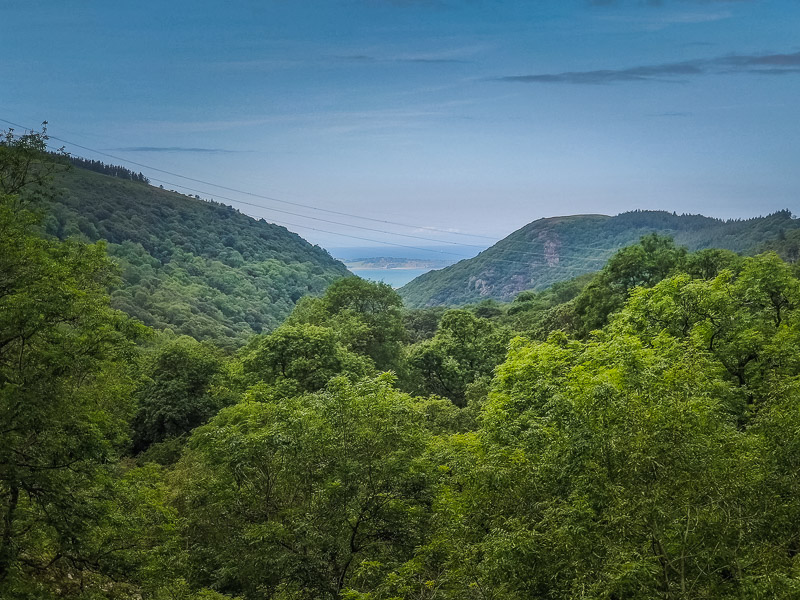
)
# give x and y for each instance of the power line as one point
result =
(288, 212)
(270, 198)
(284, 223)
(273, 199)
(538, 254)
(516, 262)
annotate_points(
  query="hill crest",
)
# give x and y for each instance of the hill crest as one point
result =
(198, 267)
(553, 249)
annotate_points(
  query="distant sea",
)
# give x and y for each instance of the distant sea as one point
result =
(451, 253)
(399, 277)
(394, 277)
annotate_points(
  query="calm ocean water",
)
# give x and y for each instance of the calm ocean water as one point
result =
(394, 277)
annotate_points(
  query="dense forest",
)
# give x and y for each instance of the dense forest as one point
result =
(628, 434)
(200, 268)
(555, 249)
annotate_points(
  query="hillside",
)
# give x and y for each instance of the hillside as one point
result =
(559, 248)
(202, 268)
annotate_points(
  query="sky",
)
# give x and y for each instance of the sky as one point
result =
(422, 122)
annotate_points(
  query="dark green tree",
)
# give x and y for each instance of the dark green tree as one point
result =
(65, 400)
(465, 349)
(26, 165)
(295, 359)
(182, 388)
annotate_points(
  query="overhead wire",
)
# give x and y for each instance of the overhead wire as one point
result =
(516, 262)
(578, 270)
(274, 199)
(538, 254)
(253, 194)
(272, 208)
(288, 212)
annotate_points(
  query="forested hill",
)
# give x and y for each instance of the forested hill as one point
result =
(198, 267)
(560, 248)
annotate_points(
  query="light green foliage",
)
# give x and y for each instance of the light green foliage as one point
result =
(749, 322)
(602, 470)
(309, 496)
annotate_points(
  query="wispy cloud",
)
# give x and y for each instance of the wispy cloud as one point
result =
(457, 55)
(654, 15)
(656, 20)
(697, 44)
(423, 59)
(412, 3)
(661, 2)
(318, 121)
(641, 73)
(671, 114)
(356, 58)
(174, 149)
(363, 58)
(760, 64)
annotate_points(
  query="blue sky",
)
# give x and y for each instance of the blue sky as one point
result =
(477, 116)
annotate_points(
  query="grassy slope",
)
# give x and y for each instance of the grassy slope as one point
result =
(559, 248)
(198, 267)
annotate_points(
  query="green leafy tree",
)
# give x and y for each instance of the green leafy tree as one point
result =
(182, 388)
(366, 315)
(749, 322)
(65, 398)
(465, 349)
(422, 323)
(643, 264)
(295, 359)
(708, 263)
(309, 496)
